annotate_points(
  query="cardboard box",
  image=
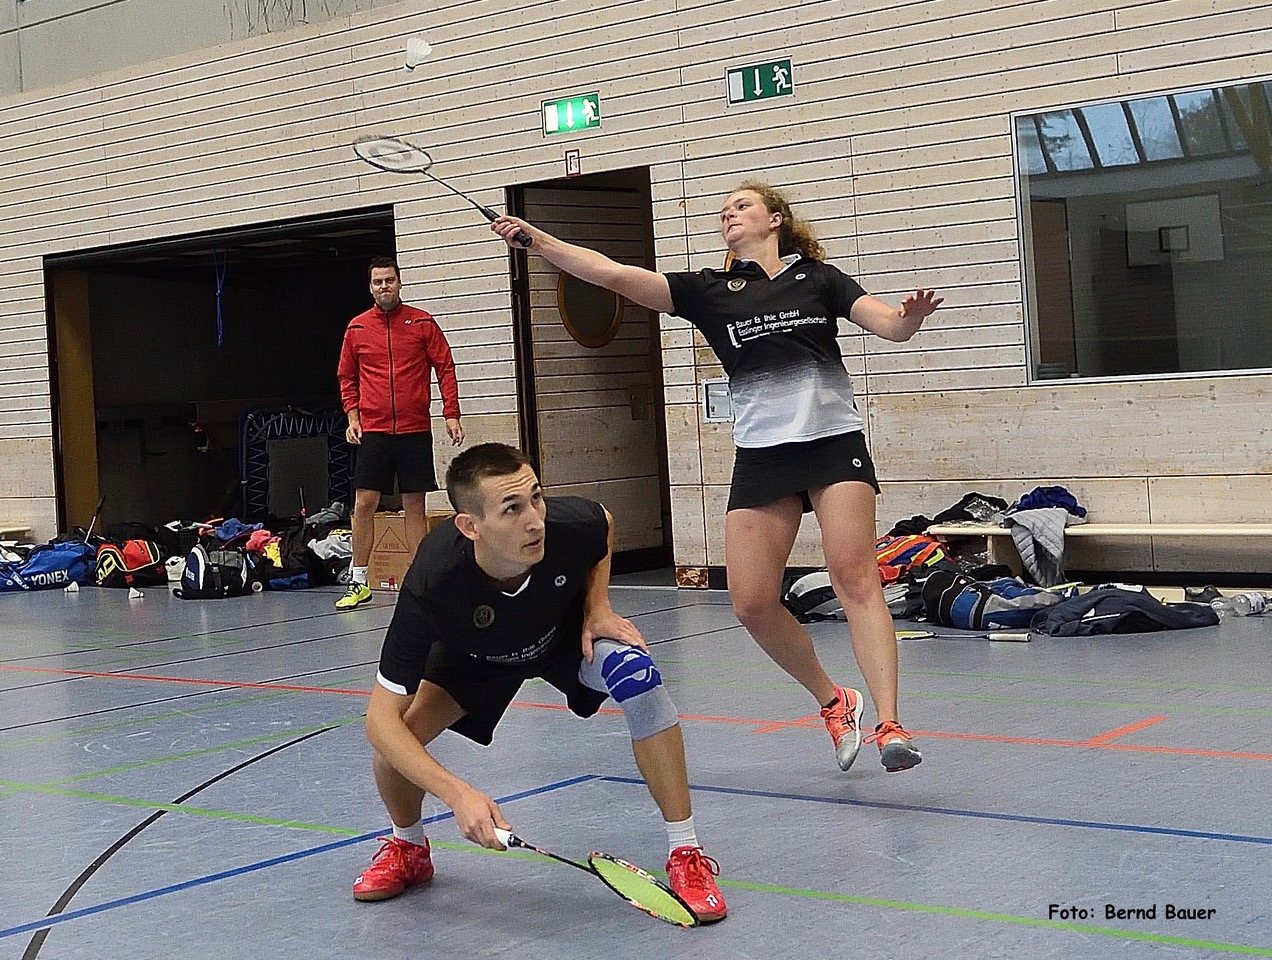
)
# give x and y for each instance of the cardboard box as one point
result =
(390, 555)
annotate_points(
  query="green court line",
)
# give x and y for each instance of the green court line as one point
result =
(204, 751)
(824, 895)
(964, 913)
(932, 908)
(178, 808)
(186, 712)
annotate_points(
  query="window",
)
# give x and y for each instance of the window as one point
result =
(1147, 234)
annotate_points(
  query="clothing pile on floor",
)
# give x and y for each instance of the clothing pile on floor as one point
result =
(216, 558)
(926, 580)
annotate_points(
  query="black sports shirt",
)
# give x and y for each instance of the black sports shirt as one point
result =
(776, 340)
(446, 598)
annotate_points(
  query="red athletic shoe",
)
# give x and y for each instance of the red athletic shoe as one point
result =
(692, 875)
(896, 748)
(843, 722)
(398, 865)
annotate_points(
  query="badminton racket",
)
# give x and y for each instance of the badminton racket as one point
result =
(640, 889)
(398, 156)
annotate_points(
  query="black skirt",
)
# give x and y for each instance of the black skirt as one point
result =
(764, 474)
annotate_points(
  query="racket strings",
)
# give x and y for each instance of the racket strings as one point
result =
(642, 890)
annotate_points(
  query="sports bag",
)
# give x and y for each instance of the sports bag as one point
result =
(214, 574)
(956, 600)
(50, 565)
(134, 563)
(898, 556)
(811, 598)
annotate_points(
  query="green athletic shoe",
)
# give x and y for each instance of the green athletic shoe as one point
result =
(355, 596)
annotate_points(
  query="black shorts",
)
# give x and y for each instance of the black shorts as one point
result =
(484, 689)
(406, 456)
(764, 474)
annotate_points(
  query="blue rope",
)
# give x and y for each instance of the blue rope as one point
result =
(220, 267)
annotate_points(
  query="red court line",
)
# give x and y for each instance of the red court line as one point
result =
(202, 683)
(1097, 743)
(1122, 731)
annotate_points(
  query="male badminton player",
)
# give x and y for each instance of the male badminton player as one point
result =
(386, 361)
(516, 588)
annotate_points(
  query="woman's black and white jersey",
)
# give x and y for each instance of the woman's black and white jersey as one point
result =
(776, 340)
(447, 599)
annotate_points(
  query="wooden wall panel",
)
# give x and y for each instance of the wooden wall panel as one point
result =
(904, 166)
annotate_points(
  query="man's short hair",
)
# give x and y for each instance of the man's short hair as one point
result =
(470, 468)
(384, 263)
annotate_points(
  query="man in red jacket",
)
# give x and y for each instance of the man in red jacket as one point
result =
(388, 356)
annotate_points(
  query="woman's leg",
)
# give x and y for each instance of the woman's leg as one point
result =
(846, 514)
(758, 542)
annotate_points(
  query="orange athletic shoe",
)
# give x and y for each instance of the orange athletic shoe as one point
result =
(843, 721)
(691, 874)
(398, 865)
(896, 748)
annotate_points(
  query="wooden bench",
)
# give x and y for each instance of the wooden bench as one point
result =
(993, 533)
(14, 531)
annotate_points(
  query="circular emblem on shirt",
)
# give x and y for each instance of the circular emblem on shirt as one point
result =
(736, 285)
(856, 462)
(800, 276)
(560, 581)
(483, 616)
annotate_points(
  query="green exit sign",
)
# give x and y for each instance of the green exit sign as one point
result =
(760, 81)
(572, 114)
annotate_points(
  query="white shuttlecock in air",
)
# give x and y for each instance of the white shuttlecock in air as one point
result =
(417, 51)
(134, 593)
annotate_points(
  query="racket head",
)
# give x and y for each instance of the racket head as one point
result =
(642, 890)
(392, 154)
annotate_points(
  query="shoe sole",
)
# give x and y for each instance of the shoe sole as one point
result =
(352, 606)
(900, 758)
(846, 752)
(374, 896)
(711, 917)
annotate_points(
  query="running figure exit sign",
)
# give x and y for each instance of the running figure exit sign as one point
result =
(760, 81)
(572, 114)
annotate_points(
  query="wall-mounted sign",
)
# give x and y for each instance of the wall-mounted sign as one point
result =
(760, 81)
(572, 114)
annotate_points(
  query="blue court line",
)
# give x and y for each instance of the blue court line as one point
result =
(46, 922)
(971, 814)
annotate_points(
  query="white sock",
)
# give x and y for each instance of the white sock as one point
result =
(681, 834)
(412, 834)
(358, 575)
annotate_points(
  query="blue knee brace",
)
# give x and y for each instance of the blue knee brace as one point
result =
(629, 676)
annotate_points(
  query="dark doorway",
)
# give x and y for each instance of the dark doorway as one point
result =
(158, 349)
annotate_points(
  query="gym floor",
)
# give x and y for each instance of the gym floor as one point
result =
(185, 780)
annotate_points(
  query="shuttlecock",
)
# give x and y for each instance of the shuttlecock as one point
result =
(72, 587)
(134, 593)
(417, 51)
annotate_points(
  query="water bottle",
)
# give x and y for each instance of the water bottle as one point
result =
(1251, 603)
(1223, 607)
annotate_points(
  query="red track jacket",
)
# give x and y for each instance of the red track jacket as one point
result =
(385, 366)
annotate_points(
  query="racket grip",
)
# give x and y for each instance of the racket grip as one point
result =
(505, 837)
(523, 238)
